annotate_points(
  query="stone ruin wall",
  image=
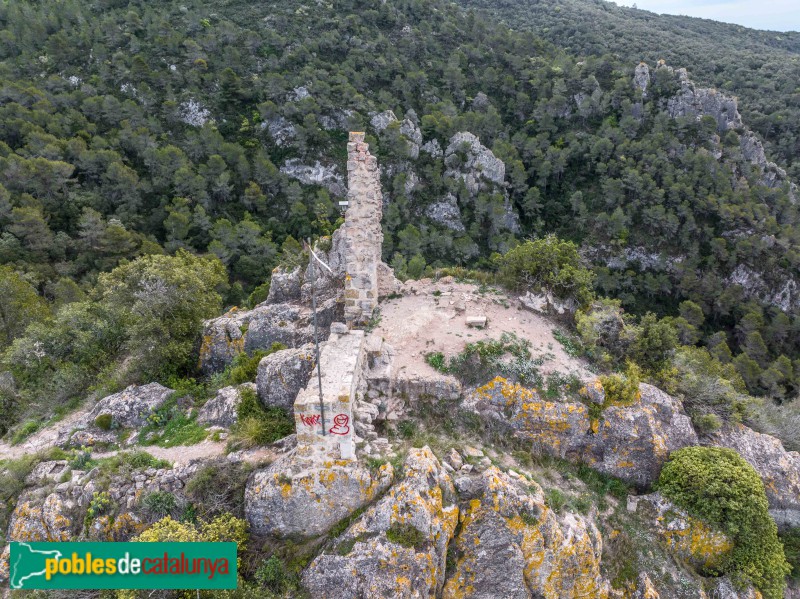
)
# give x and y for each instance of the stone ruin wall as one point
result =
(362, 232)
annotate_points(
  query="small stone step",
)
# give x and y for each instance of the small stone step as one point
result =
(476, 321)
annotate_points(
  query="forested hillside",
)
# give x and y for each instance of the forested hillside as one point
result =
(132, 129)
(761, 67)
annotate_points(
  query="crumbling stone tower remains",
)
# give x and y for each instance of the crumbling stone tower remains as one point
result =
(325, 425)
(362, 232)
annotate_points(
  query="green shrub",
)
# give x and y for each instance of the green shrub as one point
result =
(160, 504)
(104, 422)
(508, 356)
(791, 547)
(259, 294)
(437, 361)
(216, 489)
(25, 431)
(719, 487)
(245, 367)
(622, 390)
(80, 460)
(706, 423)
(99, 505)
(548, 264)
(249, 406)
(406, 535)
(555, 500)
(272, 575)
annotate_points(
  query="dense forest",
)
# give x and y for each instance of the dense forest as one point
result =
(762, 68)
(135, 136)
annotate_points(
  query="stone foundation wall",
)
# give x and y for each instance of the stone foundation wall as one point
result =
(362, 232)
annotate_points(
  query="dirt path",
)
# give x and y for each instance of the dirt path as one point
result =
(431, 317)
(182, 454)
(45, 438)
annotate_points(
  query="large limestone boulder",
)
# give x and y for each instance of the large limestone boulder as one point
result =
(631, 442)
(249, 330)
(634, 441)
(222, 409)
(558, 429)
(292, 498)
(131, 407)
(398, 547)
(283, 374)
(42, 514)
(284, 285)
(778, 468)
(512, 545)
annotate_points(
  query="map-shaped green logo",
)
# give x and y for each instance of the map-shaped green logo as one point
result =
(26, 563)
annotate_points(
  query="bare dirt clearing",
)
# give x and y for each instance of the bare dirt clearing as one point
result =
(432, 317)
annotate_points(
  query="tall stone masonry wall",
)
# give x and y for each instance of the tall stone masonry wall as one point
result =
(326, 432)
(362, 232)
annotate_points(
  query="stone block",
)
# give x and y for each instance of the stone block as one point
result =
(476, 321)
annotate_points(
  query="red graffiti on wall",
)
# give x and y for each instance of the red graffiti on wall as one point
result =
(340, 425)
(310, 420)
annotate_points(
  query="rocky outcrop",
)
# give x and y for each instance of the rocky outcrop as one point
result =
(630, 442)
(408, 128)
(289, 498)
(696, 102)
(249, 330)
(282, 374)
(512, 545)
(398, 547)
(221, 410)
(282, 131)
(446, 213)
(641, 77)
(479, 162)
(687, 538)
(784, 293)
(44, 513)
(633, 441)
(778, 468)
(475, 164)
(284, 286)
(131, 407)
(315, 174)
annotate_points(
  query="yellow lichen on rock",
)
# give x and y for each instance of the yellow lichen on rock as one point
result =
(512, 545)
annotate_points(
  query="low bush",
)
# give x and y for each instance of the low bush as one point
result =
(217, 489)
(159, 504)
(104, 422)
(622, 390)
(258, 425)
(406, 535)
(245, 366)
(718, 486)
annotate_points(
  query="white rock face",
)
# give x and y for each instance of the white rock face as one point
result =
(281, 130)
(480, 161)
(221, 410)
(193, 113)
(786, 297)
(382, 120)
(408, 129)
(316, 174)
(447, 213)
(131, 407)
(433, 148)
(641, 77)
(466, 158)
